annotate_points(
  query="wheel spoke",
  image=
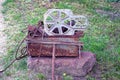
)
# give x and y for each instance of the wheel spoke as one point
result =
(67, 26)
(59, 15)
(64, 19)
(60, 30)
(53, 17)
(52, 28)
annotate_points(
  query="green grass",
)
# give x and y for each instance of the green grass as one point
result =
(7, 2)
(101, 37)
(41, 76)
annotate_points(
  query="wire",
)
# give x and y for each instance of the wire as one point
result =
(7, 66)
(22, 55)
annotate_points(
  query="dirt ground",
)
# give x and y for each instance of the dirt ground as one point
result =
(2, 34)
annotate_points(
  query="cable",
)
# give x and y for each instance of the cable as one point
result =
(23, 54)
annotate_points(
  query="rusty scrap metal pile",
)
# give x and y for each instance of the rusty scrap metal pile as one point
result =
(60, 28)
(57, 36)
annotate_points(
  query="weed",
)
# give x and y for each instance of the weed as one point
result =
(41, 76)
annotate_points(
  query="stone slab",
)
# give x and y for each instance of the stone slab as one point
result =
(75, 67)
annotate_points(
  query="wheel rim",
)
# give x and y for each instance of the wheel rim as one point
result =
(57, 22)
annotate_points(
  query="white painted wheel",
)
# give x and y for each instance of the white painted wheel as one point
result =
(57, 22)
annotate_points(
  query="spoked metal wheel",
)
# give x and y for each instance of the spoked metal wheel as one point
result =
(58, 22)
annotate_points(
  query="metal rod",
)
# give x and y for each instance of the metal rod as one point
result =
(53, 62)
(80, 52)
(55, 42)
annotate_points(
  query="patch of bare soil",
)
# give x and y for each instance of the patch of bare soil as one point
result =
(110, 14)
(116, 5)
(2, 34)
(2, 40)
(113, 15)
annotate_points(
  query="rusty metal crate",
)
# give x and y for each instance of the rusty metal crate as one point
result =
(36, 48)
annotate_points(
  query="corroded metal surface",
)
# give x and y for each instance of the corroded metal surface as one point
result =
(64, 49)
(40, 44)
